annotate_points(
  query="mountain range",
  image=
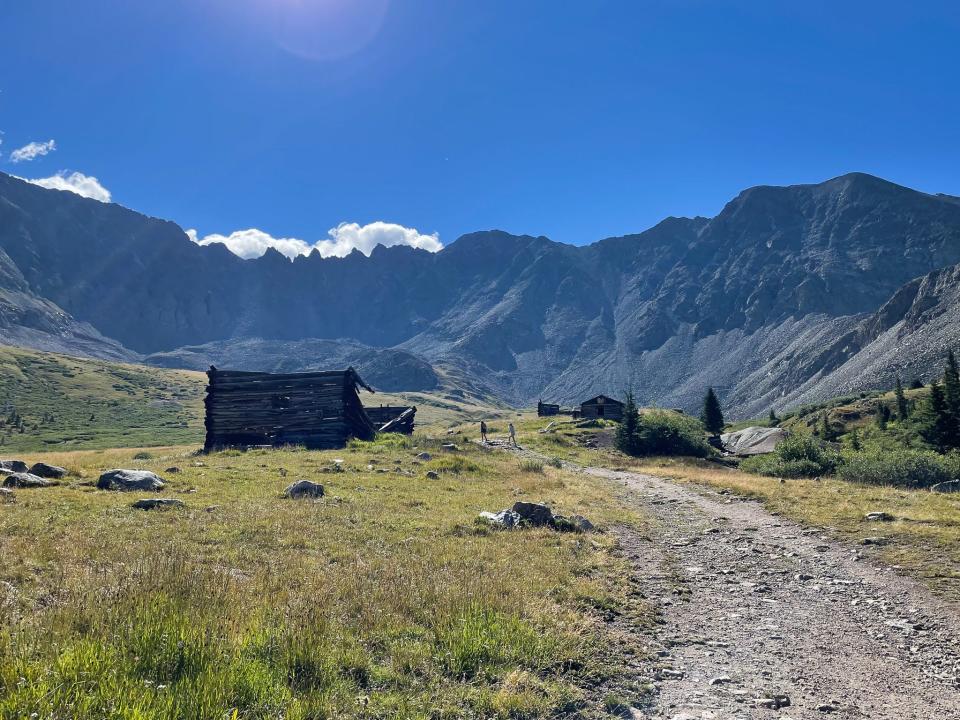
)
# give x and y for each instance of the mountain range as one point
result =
(789, 295)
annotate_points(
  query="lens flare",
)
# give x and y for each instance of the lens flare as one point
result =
(327, 29)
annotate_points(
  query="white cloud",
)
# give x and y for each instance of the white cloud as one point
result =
(74, 182)
(32, 150)
(341, 240)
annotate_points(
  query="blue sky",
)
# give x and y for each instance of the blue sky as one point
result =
(575, 120)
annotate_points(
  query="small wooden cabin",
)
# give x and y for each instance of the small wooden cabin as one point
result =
(547, 409)
(602, 407)
(393, 418)
(317, 409)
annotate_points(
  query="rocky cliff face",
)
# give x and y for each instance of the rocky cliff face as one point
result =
(766, 301)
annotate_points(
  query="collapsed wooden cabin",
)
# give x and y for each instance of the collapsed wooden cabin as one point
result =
(547, 409)
(602, 407)
(317, 409)
(393, 418)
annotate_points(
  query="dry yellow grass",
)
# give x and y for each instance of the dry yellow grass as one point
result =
(382, 600)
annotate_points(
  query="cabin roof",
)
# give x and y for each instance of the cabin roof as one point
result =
(348, 375)
(607, 400)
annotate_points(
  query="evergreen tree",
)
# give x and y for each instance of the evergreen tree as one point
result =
(883, 416)
(774, 420)
(951, 395)
(903, 407)
(826, 432)
(935, 423)
(628, 431)
(712, 415)
(855, 440)
(916, 384)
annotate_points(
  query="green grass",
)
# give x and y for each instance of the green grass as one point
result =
(382, 600)
(67, 403)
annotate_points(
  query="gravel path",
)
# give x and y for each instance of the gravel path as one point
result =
(761, 618)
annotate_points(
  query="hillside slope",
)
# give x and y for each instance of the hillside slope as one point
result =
(56, 402)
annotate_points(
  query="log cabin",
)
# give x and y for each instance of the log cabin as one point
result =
(393, 418)
(602, 407)
(318, 410)
(547, 409)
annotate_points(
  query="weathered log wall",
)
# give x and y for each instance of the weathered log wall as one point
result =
(384, 414)
(317, 409)
(547, 409)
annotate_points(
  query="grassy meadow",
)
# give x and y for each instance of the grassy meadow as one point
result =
(384, 599)
(51, 402)
(55, 402)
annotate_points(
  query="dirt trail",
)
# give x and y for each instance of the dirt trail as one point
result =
(757, 611)
(762, 618)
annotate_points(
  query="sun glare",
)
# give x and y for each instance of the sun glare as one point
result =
(326, 29)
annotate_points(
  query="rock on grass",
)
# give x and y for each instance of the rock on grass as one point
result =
(26, 480)
(130, 480)
(157, 504)
(47, 471)
(304, 489)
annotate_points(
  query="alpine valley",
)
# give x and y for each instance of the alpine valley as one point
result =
(789, 295)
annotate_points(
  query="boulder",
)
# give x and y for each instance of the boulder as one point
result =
(951, 486)
(752, 440)
(26, 480)
(879, 517)
(157, 504)
(451, 447)
(17, 466)
(424, 456)
(304, 489)
(130, 480)
(535, 514)
(433, 475)
(581, 523)
(47, 471)
(6, 493)
(503, 520)
(173, 470)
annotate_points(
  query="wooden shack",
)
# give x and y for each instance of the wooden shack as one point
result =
(547, 409)
(317, 409)
(602, 407)
(393, 418)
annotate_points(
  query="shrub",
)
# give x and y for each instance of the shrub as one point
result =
(531, 466)
(902, 468)
(663, 432)
(143, 455)
(455, 465)
(796, 457)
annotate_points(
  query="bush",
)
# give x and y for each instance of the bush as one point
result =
(143, 455)
(663, 432)
(531, 466)
(796, 457)
(902, 468)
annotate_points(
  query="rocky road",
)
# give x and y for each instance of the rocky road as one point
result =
(762, 618)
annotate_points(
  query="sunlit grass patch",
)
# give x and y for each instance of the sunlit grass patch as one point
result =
(376, 601)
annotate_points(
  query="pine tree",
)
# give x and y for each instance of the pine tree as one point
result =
(883, 416)
(826, 432)
(916, 384)
(712, 415)
(951, 395)
(935, 423)
(774, 420)
(903, 407)
(855, 440)
(628, 431)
